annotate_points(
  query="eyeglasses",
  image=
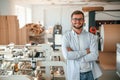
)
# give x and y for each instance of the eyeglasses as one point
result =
(79, 19)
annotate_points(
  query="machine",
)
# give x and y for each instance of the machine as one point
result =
(57, 35)
(118, 59)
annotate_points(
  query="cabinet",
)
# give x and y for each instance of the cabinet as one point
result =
(3, 30)
(9, 30)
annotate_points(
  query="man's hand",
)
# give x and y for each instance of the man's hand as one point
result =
(88, 50)
(69, 49)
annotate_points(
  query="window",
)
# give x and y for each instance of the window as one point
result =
(23, 14)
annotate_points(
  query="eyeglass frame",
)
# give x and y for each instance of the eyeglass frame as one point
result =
(78, 19)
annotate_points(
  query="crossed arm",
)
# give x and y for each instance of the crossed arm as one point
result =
(70, 49)
(88, 54)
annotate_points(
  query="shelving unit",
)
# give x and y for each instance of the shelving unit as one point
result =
(44, 65)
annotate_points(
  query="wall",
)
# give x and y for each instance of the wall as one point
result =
(4, 7)
(7, 7)
(49, 15)
(23, 12)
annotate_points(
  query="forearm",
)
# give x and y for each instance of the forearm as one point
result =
(73, 54)
(86, 54)
(92, 56)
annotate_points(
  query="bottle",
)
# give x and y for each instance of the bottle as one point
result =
(16, 67)
(33, 63)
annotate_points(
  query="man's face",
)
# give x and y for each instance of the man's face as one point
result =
(77, 21)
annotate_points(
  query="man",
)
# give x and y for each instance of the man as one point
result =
(80, 51)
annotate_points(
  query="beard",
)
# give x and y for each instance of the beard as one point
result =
(77, 27)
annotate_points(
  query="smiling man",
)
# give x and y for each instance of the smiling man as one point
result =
(80, 51)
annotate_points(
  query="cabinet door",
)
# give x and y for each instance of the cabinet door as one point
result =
(13, 29)
(3, 30)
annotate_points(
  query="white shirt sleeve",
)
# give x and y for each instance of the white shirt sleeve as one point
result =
(93, 55)
(71, 55)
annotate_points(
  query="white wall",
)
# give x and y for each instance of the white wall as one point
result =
(6, 7)
(50, 15)
(24, 14)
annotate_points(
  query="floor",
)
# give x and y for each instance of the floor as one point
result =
(107, 62)
(109, 75)
(108, 66)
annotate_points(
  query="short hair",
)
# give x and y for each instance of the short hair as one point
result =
(77, 12)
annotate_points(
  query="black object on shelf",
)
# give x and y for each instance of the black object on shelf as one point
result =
(57, 32)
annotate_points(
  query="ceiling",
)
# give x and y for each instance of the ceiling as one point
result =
(53, 2)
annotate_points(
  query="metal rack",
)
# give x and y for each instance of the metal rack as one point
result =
(45, 59)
